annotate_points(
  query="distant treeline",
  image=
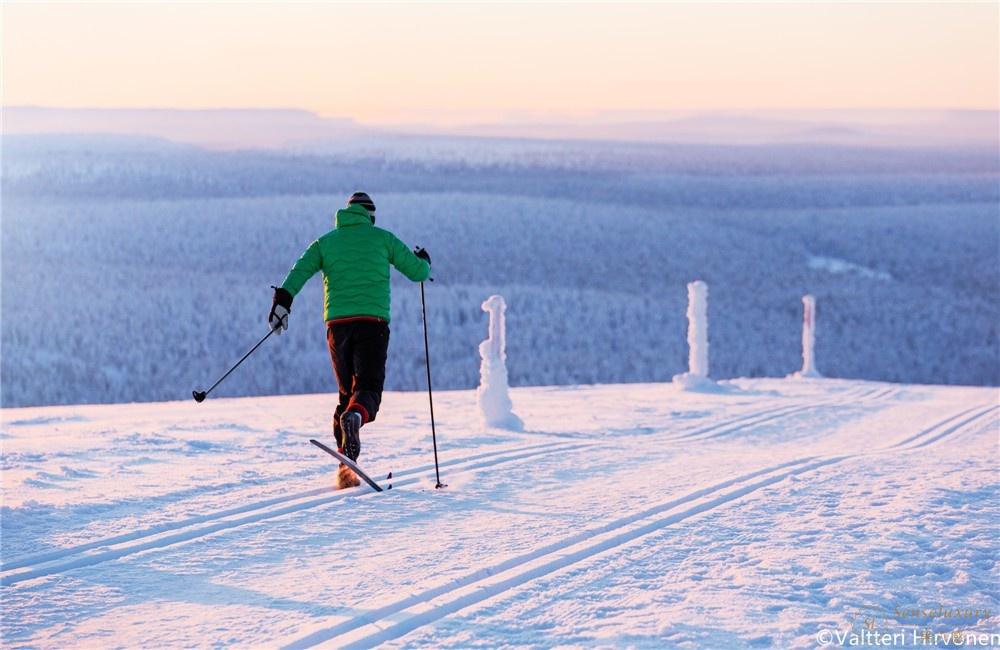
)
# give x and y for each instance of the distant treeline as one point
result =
(629, 174)
(109, 296)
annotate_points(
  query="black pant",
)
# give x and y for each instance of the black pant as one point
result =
(358, 349)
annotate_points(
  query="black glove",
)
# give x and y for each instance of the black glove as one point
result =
(422, 254)
(281, 306)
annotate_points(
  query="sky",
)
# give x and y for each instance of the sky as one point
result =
(451, 63)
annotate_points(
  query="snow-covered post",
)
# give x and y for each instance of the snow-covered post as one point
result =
(808, 338)
(493, 394)
(697, 313)
(698, 328)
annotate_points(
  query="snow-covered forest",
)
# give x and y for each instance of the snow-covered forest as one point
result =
(136, 269)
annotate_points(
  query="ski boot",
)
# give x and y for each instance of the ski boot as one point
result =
(350, 427)
(346, 478)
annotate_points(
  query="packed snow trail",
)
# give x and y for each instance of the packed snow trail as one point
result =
(757, 515)
(182, 531)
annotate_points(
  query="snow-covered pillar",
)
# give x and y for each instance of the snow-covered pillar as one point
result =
(697, 312)
(809, 337)
(493, 393)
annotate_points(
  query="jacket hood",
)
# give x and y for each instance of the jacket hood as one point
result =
(353, 215)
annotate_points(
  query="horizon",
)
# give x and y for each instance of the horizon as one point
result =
(243, 128)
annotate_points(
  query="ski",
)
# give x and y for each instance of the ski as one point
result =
(350, 463)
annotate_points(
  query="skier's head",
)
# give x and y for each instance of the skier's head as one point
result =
(365, 201)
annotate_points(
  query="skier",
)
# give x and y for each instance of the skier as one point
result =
(354, 258)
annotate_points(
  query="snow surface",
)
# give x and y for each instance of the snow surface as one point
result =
(623, 515)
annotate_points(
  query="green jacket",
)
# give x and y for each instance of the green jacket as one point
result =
(355, 259)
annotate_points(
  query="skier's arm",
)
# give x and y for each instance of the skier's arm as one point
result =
(306, 267)
(407, 262)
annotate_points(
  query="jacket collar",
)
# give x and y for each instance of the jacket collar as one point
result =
(353, 215)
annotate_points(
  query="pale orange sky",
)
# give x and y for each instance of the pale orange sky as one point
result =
(449, 62)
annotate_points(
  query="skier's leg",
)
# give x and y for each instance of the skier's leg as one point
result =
(338, 340)
(349, 416)
(370, 352)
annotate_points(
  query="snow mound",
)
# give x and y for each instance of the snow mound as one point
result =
(838, 266)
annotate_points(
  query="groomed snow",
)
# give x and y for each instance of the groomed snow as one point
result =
(623, 515)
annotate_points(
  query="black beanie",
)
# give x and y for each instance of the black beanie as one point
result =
(362, 199)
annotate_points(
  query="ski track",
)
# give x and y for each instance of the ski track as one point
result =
(931, 439)
(168, 534)
(718, 429)
(41, 558)
(419, 610)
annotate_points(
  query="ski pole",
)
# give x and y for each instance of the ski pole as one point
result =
(200, 396)
(430, 393)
